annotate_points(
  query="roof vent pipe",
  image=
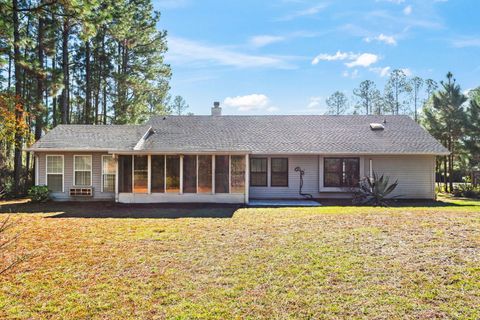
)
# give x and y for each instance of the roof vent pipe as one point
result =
(216, 110)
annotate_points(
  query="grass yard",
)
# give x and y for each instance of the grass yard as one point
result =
(332, 262)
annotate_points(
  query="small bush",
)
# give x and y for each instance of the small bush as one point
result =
(39, 193)
(466, 190)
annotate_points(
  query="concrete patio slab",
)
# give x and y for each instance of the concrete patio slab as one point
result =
(283, 203)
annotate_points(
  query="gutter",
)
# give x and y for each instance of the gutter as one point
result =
(220, 152)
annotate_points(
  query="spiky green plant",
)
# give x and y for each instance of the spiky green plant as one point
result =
(374, 191)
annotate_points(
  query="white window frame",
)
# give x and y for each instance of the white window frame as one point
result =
(91, 169)
(116, 173)
(63, 170)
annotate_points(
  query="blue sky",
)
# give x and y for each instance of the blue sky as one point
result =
(288, 56)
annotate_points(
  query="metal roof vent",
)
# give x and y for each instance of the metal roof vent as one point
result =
(377, 126)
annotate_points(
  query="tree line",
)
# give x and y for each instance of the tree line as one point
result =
(450, 115)
(401, 95)
(76, 61)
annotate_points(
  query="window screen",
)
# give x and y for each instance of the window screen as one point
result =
(158, 174)
(190, 174)
(83, 170)
(173, 174)
(108, 174)
(279, 172)
(55, 173)
(204, 174)
(258, 172)
(237, 174)
(140, 174)
(341, 172)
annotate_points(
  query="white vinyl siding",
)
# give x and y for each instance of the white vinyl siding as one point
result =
(415, 174)
(55, 173)
(68, 175)
(82, 170)
(308, 163)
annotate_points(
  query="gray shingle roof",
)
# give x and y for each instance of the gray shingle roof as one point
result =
(92, 137)
(255, 134)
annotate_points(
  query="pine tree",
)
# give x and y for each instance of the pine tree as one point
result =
(368, 98)
(337, 103)
(179, 105)
(397, 87)
(448, 118)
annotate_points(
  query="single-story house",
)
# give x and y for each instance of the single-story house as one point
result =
(232, 159)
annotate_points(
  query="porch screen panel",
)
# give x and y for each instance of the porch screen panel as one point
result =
(190, 174)
(221, 174)
(204, 174)
(158, 174)
(237, 174)
(125, 174)
(173, 174)
(140, 174)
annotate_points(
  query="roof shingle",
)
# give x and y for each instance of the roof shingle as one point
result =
(312, 134)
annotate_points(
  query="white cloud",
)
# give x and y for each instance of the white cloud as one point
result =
(251, 102)
(191, 52)
(264, 40)
(464, 42)
(382, 38)
(314, 102)
(363, 60)
(382, 72)
(356, 59)
(337, 56)
(305, 12)
(394, 1)
(408, 10)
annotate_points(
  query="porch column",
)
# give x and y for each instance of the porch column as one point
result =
(181, 174)
(149, 174)
(213, 174)
(116, 176)
(247, 178)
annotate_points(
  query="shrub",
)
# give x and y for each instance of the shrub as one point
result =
(374, 191)
(39, 193)
(466, 190)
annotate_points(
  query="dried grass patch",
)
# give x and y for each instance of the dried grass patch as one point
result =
(329, 262)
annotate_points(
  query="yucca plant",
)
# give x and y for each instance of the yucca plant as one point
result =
(374, 191)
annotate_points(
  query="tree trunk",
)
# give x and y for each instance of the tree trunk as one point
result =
(40, 80)
(54, 98)
(445, 169)
(65, 68)
(104, 81)
(17, 162)
(88, 85)
(450, 165)
(9, 69)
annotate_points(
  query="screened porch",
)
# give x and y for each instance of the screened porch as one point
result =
(182, 178)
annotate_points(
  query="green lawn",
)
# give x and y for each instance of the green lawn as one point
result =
(329, 262)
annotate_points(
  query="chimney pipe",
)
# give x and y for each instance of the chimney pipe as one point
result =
(216, 110)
